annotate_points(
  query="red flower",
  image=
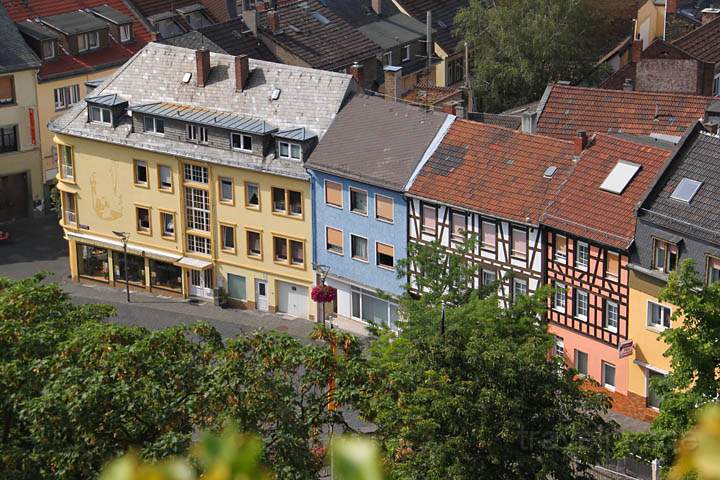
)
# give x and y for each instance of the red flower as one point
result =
(323, 294)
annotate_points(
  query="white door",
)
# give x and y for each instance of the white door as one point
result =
(261, 295)
(292, 299)
(201, 283)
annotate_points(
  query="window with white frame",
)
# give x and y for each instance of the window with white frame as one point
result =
(154, 125)
(241, 142)
(489, 277)
(559, 297)
(519, 243)
(7, 90)
(69, 208)
(141, 172)
(164, 177)
(520, 288)
(252, 195)
(226, 190)
(429, 219)
(582, 255)
(198, 244)
(197, 134)
(560, 248)
(713, 270)
(167, 220)
(100, 115)
(581, 304)
(227, 234)
(48, 49)
(559, 346)
(289, 150)
(125, 33)
(143, 219)
(658, 316)
(197, 208)
(458, 225)
(385, 255)
(608, 375)
(359, 247)
(254, 244)
(716, 85)
(665, 256)
(358, 201)
(384, 208)
(8, 138)
(333, 194)
(489, 236)
(612, 265)
(334, 240)
(367, 307)
(67, 168)
(611, 316)
(88, 41)
(581, 362)
(387, 58)
(66, 96)
(406, 53)
(196, 173)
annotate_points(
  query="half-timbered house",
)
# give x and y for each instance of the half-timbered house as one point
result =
(589, 230)
(493, 183)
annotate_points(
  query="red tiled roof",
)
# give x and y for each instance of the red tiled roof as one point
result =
(564, 110)
(430, 94)
(65, 64)
(703, 42)
(494, 170)
(582, 208)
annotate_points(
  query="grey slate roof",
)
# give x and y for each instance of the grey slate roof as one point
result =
(109, 100)
(377, 142)
(206, 116)
(72, 23)
(112, 15)
(37, 30)
(698, 159)
(298, 134)
(15, 54)
(310, 98)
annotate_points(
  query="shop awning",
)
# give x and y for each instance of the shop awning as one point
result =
(194, 263)
(97, 241)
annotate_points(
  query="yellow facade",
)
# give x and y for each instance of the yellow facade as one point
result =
(48, 111)
(649, 347)
(108, 195)
(650, 22)
(24, 113)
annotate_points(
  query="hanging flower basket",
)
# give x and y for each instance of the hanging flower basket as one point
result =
(323, 294)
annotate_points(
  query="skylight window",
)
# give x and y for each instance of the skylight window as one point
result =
(550, 171)
(620, 176)
(275, 94)
(320, 18)
(186, 77)
(686, 190)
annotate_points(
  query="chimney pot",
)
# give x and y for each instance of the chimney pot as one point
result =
(580, 142)
(202, 61)
(273, 20)
(628, 85)
(356, 70)
(393, 82)
(529, 122)
(377, 6)
(242, 70)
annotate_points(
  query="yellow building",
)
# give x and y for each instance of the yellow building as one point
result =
(199, 158)
(21, 176)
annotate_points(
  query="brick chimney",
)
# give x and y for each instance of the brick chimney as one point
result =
(710, 14)
(242, 70)
(628, 85)
(393, 82)
(636, 49)
(356, 70)
(580, 141)
(377, 6)
(273, 20)
(202, 61)
(671, 6)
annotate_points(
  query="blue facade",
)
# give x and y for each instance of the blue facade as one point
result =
(343, 265)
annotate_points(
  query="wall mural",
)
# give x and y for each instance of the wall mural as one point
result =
(108, 205)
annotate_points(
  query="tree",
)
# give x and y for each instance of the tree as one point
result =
(518, 46)
(482, 400)
(77, 391)
(694, 352)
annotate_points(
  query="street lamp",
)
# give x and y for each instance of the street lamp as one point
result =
(124, 236)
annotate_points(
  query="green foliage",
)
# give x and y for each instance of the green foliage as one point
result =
(694, 352)
(483, 400)
(55, 203)
(355, 458)
(518, 46)
(699, 449)
(76, 391)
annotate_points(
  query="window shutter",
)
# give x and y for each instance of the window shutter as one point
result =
(333, 193)
(385, 249)
(384, 208)
(334, 237)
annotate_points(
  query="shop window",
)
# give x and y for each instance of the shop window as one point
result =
(135, 270)
(165, 275)
(93, 262)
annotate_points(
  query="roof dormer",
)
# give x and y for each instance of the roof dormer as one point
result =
(81, 32)
(121, 25)
(106, 109)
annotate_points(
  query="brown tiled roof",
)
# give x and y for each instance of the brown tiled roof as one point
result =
(564, 110)
(327, 47)
(430, 94)
(678, 25)
(582, 208)
(512, 122)
(443, 18)
(617, 79)
(494, 170)
(703, 42)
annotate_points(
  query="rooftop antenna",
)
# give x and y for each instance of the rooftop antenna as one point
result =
(429, 45)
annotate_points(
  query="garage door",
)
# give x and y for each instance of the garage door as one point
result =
(292, 299)
(14, 202)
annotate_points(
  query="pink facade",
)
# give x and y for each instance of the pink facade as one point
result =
(597, 353)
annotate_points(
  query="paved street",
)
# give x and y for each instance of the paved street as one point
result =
(36, 245)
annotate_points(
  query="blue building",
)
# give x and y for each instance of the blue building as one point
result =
(358, 172)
